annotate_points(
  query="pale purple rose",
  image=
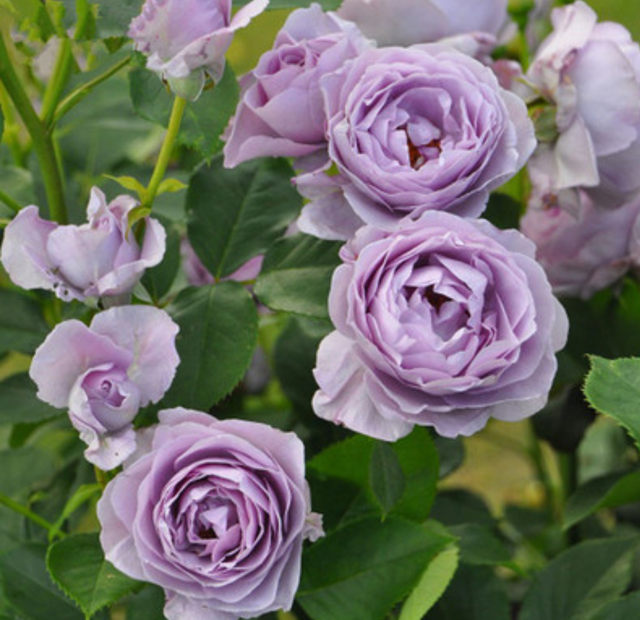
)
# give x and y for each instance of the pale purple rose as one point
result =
(280, 112)
(445, 322)
(104, 373)
(186, 40)
(98, 259)
(589, 74)
(198, 275)
(586, 250)
(405, 22)
(215, 512)
(411, 131)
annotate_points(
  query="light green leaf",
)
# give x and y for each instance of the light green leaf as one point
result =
(131, 184)
(607, 491)
(613, 388)
(171, 185)
(432, 584)
(76, 563)
(579, 581)
(296, 275)
(363, 569)
(218, 333)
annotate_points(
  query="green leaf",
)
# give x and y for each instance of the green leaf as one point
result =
(17, 185)
(327, 5)
(294, 359)
(22, 326)
(83, 494)
(503, 211)
(28, 588)
(19, 403)
(385, 476)
(613, 388)
(475, 593)
(432, 584)
(234, 215)
(171, 186)
(346, 460)
(579, 581)
(147, 604)
(479, 545)
(158, 279)
(131, 184)
(624, 609)
(218, 333)
(296, 275)
(364, 568)
(23, 468)
(607, 491)
(76, 563)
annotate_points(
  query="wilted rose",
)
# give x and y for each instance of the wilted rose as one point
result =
(589, 73)
(213, 511)
(415, 130)
(104, 373)
(445, 322)
(186, 40)
(99, 259)
(280, 112)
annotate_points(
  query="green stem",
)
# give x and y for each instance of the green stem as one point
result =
(75, 97)
(57, 82)
(14, 205)
(101, 477)
(25, 512)
(542, 473)
(42, 142)
(177, 112)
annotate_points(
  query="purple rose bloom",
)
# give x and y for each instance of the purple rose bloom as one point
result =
(214, 512)
(415, 130)
(104, 373)
(445, 322)
(280, 112)
(186, 40)
(589, 73)
(405, 22)
(97, 259)
(587, 250)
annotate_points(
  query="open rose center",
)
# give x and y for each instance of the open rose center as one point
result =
(419, 155)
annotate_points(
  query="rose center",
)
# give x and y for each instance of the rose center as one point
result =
(420, 155)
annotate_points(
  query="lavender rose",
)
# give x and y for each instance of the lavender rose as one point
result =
(585, 251)
(414, 130)
(280, 112)
(589, 73)
(444, 323)
(104, 373)
(97, 259)
(186, 40)
(405, 22)
(214, 512)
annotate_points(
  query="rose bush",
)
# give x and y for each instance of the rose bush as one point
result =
(213, 511)
(414, 130)
(104, 373)
(97, 259)
(280, 112)
(445, 323)
(186, 40)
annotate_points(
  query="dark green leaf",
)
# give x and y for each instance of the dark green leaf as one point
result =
(607, 491)
(432, 584)
(22, 326)
(296, 275)
(147, 604)
(237, 214)
(479, 545)
(347, 460)
(474, 594)
(385, 476)
(613, 388)
(363, 569)
(451, 454)
(218, 333)
(19, 403)
(295, 358)
(159, 279)
(23, 468)
(28, 588)
(458, 506)
(503, 211)
(76, 563)
(624, 609)
(581, 580)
